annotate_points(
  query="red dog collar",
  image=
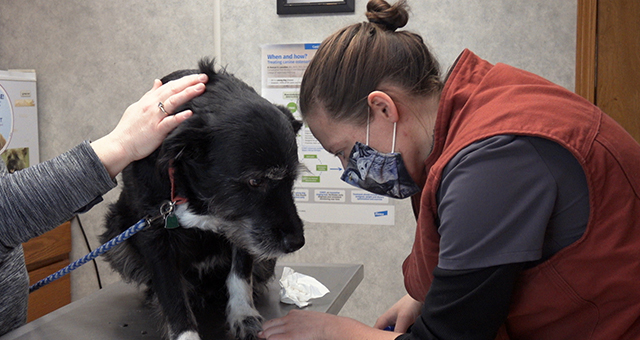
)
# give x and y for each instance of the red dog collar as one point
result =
(175, 199)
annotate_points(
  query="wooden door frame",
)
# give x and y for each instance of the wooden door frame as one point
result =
(586, 48)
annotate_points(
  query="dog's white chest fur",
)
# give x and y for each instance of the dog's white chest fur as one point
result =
(188, 219)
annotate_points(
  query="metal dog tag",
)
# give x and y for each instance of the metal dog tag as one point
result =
(171, 221)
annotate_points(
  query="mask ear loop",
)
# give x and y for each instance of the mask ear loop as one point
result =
(393, 144)
(368, 115)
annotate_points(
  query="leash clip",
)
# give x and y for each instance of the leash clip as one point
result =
(166, 212)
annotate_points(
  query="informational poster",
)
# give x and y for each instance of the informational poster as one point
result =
(18, 119)
(320, 195)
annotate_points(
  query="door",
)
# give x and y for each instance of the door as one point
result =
(608, 59)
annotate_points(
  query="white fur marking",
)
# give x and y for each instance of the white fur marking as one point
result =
(189, 335)
(240, 305)
(188, 219)
(237, 232)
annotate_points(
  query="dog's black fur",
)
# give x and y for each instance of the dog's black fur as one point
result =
(235, 161)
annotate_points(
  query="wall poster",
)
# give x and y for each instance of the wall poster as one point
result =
(18, 119)
(320, 195)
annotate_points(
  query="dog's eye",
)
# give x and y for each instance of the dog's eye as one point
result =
(255, 182)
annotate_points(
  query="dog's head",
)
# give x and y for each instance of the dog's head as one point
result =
(235, 161)
(16, 159)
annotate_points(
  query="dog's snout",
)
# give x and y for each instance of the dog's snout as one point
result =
(293, 243)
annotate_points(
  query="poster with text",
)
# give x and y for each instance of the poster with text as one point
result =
(320, 195)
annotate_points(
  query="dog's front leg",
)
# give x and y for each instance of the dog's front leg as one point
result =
(244, 320)
(172, 296)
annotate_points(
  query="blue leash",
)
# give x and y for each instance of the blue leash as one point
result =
(165, 210)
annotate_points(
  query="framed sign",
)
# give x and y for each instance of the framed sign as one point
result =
(314, 6)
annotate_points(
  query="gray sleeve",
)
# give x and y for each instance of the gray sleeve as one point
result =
(39, 198)
(494, 203)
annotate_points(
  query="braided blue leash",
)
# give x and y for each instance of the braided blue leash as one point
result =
(92, 255)
(165, 210)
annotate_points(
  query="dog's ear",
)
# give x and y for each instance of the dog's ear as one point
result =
(296, 124)
(183, 146)
(171, 149)
(180, 145)
(207, 66)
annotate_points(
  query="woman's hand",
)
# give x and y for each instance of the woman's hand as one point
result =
(401, 315)
(308, 325)
(144, 125)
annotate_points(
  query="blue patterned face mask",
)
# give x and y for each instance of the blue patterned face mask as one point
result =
(380, 173)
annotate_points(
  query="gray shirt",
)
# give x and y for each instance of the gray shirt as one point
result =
(509, 199)
(34, 201)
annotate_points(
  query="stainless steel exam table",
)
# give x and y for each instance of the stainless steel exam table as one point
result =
(118, 312)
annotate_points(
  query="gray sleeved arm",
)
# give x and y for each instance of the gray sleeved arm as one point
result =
(496, 200)
(510, 199)
(39, 198)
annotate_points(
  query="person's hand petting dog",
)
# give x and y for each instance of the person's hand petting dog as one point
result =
(146, 123)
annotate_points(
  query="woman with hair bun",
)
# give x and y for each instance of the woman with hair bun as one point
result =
(526, 196)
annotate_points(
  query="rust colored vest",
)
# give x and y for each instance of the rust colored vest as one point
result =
(590, 289)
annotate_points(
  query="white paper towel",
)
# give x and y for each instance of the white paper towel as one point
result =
(298, 289)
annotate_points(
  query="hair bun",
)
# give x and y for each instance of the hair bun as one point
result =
(389, 17)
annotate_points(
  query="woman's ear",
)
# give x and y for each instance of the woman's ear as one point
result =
(381, 105)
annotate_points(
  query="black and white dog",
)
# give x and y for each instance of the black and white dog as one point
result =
(234, 163)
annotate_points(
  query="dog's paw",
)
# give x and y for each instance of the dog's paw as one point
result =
(188, 335)
(247, 328)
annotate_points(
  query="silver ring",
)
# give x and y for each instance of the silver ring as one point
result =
(161, 106)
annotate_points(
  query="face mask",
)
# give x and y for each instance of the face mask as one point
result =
(377, 172)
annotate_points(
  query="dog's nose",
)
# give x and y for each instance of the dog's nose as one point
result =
(293, 243)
